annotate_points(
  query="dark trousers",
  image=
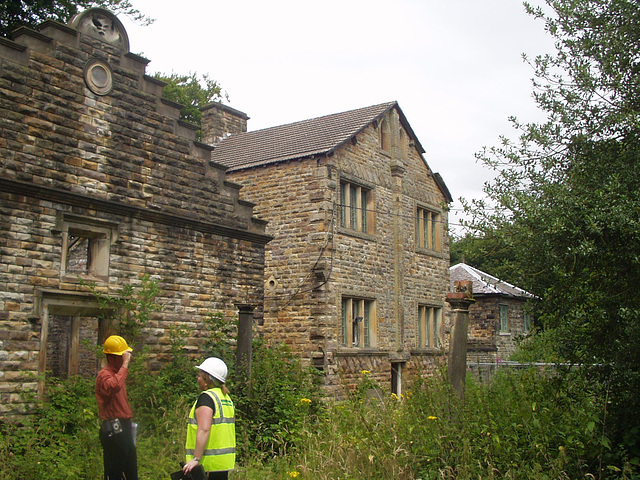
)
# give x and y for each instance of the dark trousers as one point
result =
(218, 475)
(119, 453)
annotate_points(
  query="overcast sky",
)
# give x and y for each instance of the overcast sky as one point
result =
(454, 66)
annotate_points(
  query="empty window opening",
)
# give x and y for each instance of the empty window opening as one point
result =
(71, 346)
(396, 378)
(86, 244)
(72, 328)
(87, 253)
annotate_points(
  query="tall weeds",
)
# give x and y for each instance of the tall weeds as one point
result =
(524, 425)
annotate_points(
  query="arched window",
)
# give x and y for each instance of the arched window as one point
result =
(384, 136)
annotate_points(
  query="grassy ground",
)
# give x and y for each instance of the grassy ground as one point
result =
(525, 425)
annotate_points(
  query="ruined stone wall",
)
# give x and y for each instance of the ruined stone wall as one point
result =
(312, 262)
(118, 170)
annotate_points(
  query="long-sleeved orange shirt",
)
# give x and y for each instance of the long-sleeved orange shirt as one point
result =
(111, 393)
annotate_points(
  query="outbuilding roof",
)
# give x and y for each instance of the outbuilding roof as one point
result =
(483, 283)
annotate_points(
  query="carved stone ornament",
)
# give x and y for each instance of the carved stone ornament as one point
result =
(98, 76)
(102, 24)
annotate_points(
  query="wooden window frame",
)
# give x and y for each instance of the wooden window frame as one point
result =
(428, 229)
(429, 326)
(359, 325)
(356, 207)
(503, 316)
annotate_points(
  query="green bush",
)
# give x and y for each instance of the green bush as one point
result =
(280, 398)
(53, 443)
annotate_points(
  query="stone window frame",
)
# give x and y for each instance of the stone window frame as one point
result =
(359, 322)
(428, 228)
(503, 318)
(359, 219)
(100, 234)
(429, 326)
(71, 304)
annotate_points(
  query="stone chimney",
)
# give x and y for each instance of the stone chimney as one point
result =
(220, 121)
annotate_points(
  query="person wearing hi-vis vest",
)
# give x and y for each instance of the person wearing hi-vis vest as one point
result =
(211, 430)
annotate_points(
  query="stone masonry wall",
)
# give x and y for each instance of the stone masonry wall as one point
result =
(220, 121)
(312, 262)
(486, 342)
(120, 169)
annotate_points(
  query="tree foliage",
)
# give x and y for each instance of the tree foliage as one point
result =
(192, 92)
(489, 253)
(30, 13)
(565, 204)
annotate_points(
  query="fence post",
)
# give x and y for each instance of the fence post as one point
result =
(460, 300)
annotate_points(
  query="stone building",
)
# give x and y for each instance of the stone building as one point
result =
(497, 318)
(358, 269)
(100, 181)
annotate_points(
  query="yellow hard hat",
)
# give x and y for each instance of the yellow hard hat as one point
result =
(116, 345)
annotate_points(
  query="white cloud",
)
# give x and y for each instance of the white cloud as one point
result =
(454, 66)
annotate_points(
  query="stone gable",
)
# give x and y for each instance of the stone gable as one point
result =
(315, 264)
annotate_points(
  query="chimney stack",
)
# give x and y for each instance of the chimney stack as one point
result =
(221, 121)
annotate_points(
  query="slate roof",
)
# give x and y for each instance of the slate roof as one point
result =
(483, 283)
(316, 136)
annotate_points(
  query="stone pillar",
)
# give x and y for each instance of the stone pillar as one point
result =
(460, 300)
(397, 172)
(244, 346)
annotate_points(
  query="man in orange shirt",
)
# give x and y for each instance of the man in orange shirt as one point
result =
(116, 436)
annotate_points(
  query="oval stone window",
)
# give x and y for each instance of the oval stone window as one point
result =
(98, 77)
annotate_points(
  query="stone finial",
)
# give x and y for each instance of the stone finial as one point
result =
(103, 25)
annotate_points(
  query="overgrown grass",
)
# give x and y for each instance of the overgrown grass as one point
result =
(524, 425)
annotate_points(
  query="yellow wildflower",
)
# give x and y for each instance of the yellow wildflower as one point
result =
(431, 417)
(293, 474)
(365, 372)
(305, 400)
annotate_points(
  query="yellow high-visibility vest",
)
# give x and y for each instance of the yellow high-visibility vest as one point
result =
(220, 451)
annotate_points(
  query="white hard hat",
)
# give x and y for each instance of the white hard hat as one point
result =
(215, 367)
